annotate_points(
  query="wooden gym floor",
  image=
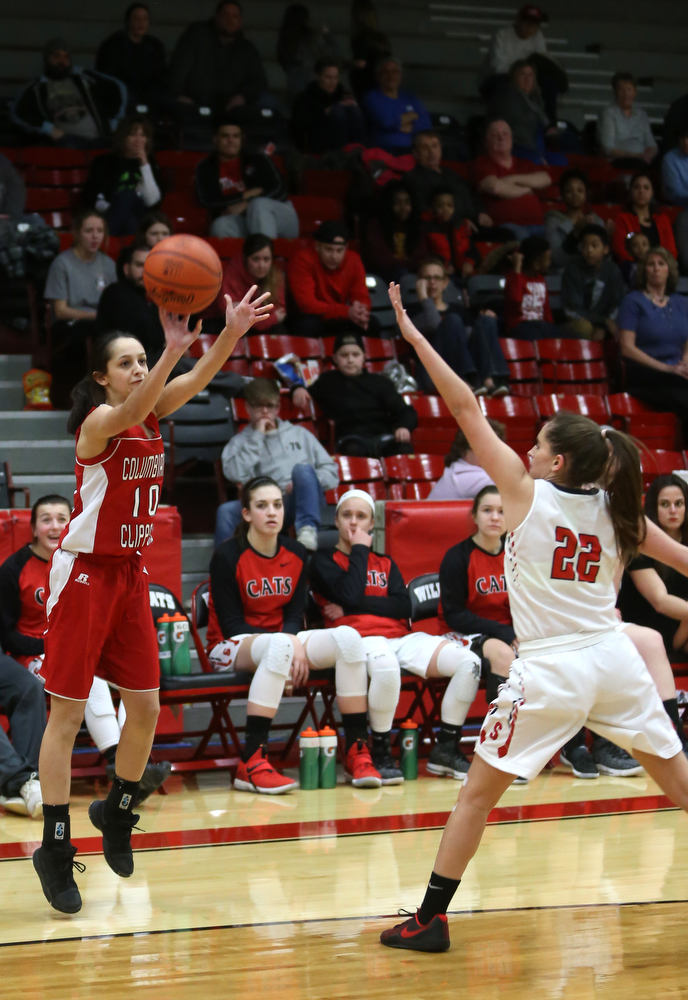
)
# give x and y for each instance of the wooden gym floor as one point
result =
(578, 891)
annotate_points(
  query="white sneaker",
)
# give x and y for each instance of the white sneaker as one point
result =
(14, 804)
(30, 792)
(308, 537)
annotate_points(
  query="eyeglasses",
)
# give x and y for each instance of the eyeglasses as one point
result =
(264, 406)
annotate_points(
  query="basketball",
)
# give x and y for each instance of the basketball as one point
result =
(183, 274)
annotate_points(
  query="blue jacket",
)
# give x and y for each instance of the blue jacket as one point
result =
(384, 118)
(675, 177)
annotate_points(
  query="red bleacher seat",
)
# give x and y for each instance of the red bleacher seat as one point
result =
(410, 491)
(67, 177)
(413, 468)
(354, 469)
(268, 346)
(582, 378)
(514, 349)
(287, 248)
(327, 183)
(431, 410)
(58, 220)
(594, 407)
(564, 349)
(12, 153)
(657, 430)
(314, 209)
(656, 462)
(54, 157)
(377, 348)
(375, 487)
(519, 417)
(524, 378)
(186, 214)
(237, 360)
(48, 199)
(227, 247)
(460, 168)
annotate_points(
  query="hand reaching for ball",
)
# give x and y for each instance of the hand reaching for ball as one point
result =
(240, 318)
(178, 336)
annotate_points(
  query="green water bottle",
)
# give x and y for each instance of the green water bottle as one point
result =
(409, 750)
(328, 758)
(179, 641)
(164, 645)
(309, 753)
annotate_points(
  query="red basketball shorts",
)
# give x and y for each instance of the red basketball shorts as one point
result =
(99, 623)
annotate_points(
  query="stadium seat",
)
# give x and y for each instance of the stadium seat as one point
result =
(314, 209)
(55, 157)
(186, 214)
(197, 431)
(581, 378)
(436, 426)
(485, 290)
(48, 199)
(524, 378)
(656, 462)
(237, 360)
(514, 349)
(68, 177)
(656, 430)
(564, 349)
(594, 407)
(412, 468)
(271, 346)
(375, 487)
(415, 491)
(354, 469)
(519, 417)
(328, 183)
(227, 247)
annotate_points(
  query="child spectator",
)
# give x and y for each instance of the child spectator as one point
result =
(463, 478)
(527, 312)
(563, 226)
(592, 287)
(451, 238)
(637, 248)
(370, 417)
(285, 452)
(255, 265)
(393, 242)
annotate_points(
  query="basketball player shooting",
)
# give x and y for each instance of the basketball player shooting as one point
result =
(576, 666)
(98, 609)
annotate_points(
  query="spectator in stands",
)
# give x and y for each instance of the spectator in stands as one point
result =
(509, 185)
(154, 227)
(255, 265)
(463, 478)
(675, 185)
(637, 245)
(674, 121)
(325, 116)
(289, 454)
(624, 130)
(563, 226)
(370, 417)
(125, 183)
(451, 237)
(301, 47)
(368, 46)
(527, 312)
(394, 115)
(138, 59)
(124, 305)
(244, 191)
(591, 287)
(653, 335)
(518, 102)
(328, 284)
(215, 66)
(74, 107)
(393, 242)
(429, 174)
(642, 216)
(78, 277)
(477, 357)
(524, 40)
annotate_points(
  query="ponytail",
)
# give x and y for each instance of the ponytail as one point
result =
(89, 393)
(624, 487)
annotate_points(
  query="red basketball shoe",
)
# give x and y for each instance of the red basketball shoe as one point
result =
(258, 775)
(419, 937)
(359, 768)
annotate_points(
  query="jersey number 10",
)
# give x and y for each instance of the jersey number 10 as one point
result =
(153, 500)
(576, 557)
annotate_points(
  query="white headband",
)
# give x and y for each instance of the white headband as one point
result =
(360, 495)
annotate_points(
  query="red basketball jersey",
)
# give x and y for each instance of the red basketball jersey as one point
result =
(117, 494)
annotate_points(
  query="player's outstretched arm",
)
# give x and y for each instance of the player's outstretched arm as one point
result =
(500, 462)
(238, 320)
(657, 545)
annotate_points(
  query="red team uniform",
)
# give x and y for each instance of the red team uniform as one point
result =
(99, 619)
(23, 588)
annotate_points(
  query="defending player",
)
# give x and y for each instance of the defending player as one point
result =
(357, 587)
(256, 602)
(575, 666)
(98, 607)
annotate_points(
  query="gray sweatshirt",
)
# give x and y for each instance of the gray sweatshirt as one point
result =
(252, 453)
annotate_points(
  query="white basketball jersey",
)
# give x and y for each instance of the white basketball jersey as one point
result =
(560, 564)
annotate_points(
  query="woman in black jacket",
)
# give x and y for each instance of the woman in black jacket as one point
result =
(244, 191)
(325, 116)
(125, 183)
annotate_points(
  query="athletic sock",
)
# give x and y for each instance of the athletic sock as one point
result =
(449, 734)
(257, 730)
(120, 799)
(56, 827)
(110, 753)
(381, 741)
(438, 896)
(355, 728)
(671, 706)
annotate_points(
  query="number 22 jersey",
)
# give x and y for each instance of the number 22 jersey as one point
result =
(560, 564)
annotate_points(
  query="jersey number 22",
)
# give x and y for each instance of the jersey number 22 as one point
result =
(576, 557)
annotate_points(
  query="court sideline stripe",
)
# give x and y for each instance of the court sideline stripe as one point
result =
(332, 920)
(355, 826)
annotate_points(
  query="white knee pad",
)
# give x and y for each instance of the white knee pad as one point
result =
(99, 716)
(463, 666)
(341, 648)
(273, 655)
(385, 685)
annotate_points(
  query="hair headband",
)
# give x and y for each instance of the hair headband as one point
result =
(360, 495)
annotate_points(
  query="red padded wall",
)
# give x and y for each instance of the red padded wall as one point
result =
(419, 532)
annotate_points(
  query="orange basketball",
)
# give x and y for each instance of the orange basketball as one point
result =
(183, 274)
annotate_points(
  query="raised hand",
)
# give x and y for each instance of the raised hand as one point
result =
(408, 330)
(178, 337)
(240, 318)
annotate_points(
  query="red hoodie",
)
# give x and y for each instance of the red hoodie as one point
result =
(328, 294)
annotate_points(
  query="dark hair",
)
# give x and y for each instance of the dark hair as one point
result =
(517, 65)
(572, 175)
(131, 8)
(80, 217)
(247, 495)
(439, 192)
(460, 445)
(224, 3)
(636, 176)
(593, 230)
(126, 256)
(427, 133)
(151, 219)
(323, 63)
(477, 500)
(89, 393)
(126, 126)
(624, 78)
(273, 281)
(388, 221)
(609, 458)
(229, 118)
(260, 390)
(652, 504)
(532, 248)
(44, 501)
(295, 28)
(433, 259)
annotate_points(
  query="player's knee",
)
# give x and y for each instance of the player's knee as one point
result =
(500, 656)
(279, 655)
(463, 667)
(349, 644)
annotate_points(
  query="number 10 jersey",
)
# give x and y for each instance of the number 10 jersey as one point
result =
(117, 494)
(560, 565)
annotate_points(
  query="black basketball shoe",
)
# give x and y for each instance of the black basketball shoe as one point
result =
(54, 869)
(116, 838)
(418, 937)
